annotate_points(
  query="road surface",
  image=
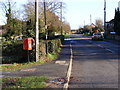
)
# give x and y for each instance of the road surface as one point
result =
(95, 63)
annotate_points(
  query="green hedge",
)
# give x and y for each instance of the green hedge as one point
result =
(13, 52)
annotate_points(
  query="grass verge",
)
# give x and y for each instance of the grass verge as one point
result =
(67, 36)
(88, 34)
(52, 56)
(17, 66)
(24, 82)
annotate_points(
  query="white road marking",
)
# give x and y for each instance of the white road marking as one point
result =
(106, 48)
(61, 63)
(2, 75)
(66, 85)
(7, 72)
(28, 70)
(100, 46)
(110, 50)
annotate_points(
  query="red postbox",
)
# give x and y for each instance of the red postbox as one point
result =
(27, 45)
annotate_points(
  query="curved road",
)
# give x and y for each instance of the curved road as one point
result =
(95, 63)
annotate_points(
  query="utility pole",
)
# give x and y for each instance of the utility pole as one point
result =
(84, 22)
(90, 19)
(90, 23)
(105, 15)
(37, 31)
(61, 19)
(45, 27)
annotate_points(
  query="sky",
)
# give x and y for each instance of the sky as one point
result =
(77, 12)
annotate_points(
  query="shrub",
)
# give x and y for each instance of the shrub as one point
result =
(13, 50)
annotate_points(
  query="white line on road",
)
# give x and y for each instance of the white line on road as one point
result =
(100, 46)
(2, 75)
(66, 85)
(106, 48)
(110, 50)
(7, 72)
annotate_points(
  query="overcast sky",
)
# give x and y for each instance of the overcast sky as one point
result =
(78, 12)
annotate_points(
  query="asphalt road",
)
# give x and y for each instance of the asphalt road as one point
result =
(95, 63)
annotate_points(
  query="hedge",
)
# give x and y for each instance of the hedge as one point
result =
(14, 53)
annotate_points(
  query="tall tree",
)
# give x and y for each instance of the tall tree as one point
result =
(99, 23)
(66, 27)
(53, 19)
(117, 21)
(7, 8)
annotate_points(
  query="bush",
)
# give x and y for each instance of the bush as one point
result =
(61, 37)
(13, 50)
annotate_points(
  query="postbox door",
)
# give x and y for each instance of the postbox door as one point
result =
(27, 45)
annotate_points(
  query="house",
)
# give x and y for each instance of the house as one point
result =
(2, 30)
(119, 5)
(110, 26)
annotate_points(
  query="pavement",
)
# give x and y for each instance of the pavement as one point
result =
(56, 70)
(113, 41)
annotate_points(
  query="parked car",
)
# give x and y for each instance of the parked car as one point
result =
(97, 36)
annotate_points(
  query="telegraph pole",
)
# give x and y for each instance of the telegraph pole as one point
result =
(84, 22)
(90, 23)
(45, 15)
(37, 31)
(105, 15)
(45, 27)
(61, 19)
(90, 19)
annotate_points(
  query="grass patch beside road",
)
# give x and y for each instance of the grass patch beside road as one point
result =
(52, 56)
(24, 82)
(88, 34)
(17, 66)
(67, 36)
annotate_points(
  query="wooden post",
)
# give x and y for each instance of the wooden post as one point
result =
(105, 15)
(37, 31)
(61, 18)
(46, 27)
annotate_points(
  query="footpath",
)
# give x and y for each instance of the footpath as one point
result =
(113, 41)
(55, 70)
(117, 42)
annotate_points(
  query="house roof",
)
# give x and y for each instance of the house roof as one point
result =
(2, 30)
(111, 21)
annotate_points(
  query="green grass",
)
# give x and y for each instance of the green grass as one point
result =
(67, 36)
(16, 66)
(24, 82)
(88, 34)
(52, 56)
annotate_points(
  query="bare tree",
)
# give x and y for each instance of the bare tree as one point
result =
(53, 15)
(7, 7)
(99, 23)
